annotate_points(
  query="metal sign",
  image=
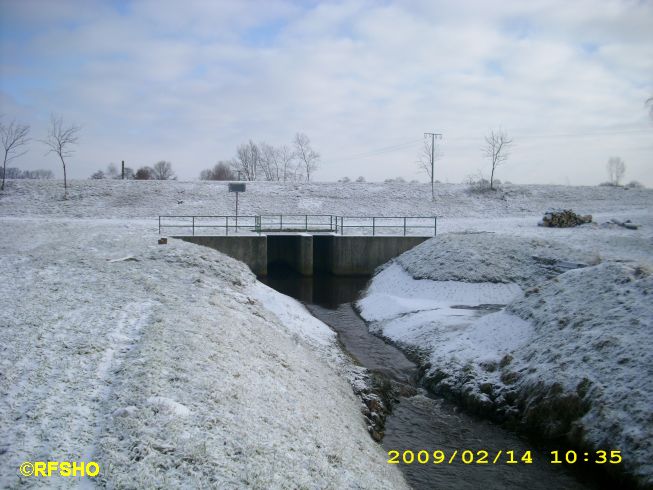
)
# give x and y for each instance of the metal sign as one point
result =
(236, 187)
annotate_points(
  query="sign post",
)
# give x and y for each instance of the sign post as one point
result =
(237, 188)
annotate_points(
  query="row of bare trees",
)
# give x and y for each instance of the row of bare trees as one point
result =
(60, 140)
(262, 161)
(18, 174)
(161, 170)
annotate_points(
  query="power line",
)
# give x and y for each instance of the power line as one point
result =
(378, 151)
(581, 134)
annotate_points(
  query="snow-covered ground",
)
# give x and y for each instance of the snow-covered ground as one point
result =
(172, 366)
(168, 365)
(571, 355)
(148, 199)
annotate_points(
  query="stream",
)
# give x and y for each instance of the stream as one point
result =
(423, 421)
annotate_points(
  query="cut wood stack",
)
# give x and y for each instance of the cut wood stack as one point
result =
(563, 218)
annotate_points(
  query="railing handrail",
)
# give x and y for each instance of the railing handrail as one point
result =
(262, 222)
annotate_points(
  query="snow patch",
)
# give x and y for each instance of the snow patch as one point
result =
(169, 406)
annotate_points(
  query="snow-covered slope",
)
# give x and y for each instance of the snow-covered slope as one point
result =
(169, 366)
(150, 357)
(134, 199)
(570, 355)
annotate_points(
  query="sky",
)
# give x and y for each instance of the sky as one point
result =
(188, 81)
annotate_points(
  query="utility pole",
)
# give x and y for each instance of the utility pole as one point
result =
(433, 137)
(122, 173)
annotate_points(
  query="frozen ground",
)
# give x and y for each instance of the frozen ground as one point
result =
(170, 366)
(147, 199)
(571, 354)
(173, 367)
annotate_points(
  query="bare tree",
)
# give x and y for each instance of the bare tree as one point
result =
(497, 146)
(269, 161)
(616, 170)
(247, 160)
(162, 170)
(307, 157)
(288, 163)
(144, 173)
(14, 137)
(60, 141)
(430, 154)
(99, 175)
(220, 171)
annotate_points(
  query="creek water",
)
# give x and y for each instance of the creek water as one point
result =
(423, 421)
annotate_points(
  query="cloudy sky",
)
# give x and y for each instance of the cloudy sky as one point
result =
(187, 81)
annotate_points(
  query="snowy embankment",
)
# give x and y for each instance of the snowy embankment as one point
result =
(569, 357)
(171, 366)
(148, 199)
(168, 365)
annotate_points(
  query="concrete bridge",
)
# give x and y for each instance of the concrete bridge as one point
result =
(309, 254)
(306, 244)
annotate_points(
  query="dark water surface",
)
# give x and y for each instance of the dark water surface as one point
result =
(423, 421)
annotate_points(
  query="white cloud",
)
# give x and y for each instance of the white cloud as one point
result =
(189, 83)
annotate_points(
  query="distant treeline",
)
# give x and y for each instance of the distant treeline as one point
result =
(16, 173)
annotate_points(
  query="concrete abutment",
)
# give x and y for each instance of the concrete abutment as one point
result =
(309, 254)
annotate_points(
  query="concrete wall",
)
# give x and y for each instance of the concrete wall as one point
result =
(296, 251)
(252, 250)
(338, 255)
(361, 255)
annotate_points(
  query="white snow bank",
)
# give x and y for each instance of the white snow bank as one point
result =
(593, 332)
(490, 257)
(571, 357)
(294, 316)
(438, 318)
(167, 370)
(394, 292)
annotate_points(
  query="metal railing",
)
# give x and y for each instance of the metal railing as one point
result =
(396, 225)
(300, 223)
(194, 224)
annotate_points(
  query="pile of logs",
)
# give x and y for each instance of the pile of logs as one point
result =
(563, 218)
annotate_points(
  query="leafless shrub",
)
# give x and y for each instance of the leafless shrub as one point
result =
(220, 171)
(144, 173)
(162, 170)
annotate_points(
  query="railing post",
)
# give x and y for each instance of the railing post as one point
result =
(342, 225)
(404, 226)
(281, 222)
(193, 225)
(435, 225)
(226, 225)
(306, 222)
(373, 225)
(330, 223)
